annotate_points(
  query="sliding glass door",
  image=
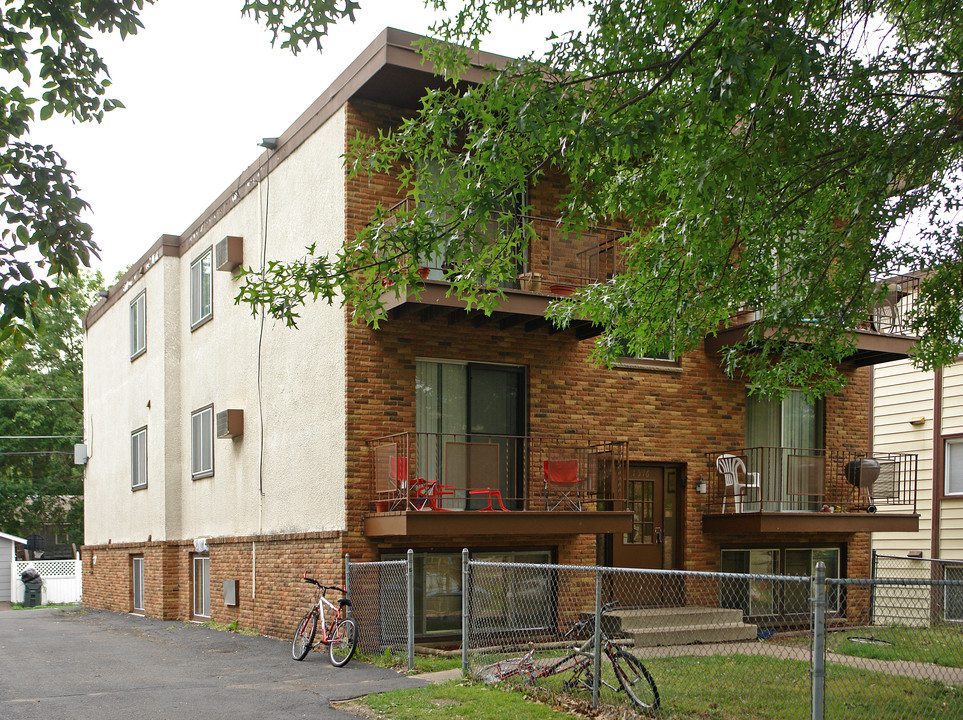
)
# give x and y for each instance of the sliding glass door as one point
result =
(788, 435)
(470, 418)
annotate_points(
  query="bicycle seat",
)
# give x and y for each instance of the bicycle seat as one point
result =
(344, 602)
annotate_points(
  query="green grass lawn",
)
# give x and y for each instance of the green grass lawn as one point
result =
(723, 687)
(940, 645)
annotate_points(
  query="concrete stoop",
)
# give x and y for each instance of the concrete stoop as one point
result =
(649, 627)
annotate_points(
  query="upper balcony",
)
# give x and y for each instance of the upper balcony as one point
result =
(778, 489)
(883, 336)
(557, 263)
(444, 484)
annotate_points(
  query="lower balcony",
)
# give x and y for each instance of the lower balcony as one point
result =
(445, 484)
(778, 490)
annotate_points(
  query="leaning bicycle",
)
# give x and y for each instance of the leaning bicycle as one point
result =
(577, 666)
(340, 634)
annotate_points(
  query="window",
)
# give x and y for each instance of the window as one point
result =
(524, 600)
(138, 459)
(658, 361)
(760, 596)
(137, 582)
(138, 326)
(461, 403)
(954, 467)
(202, 302)
(202, 586)
(202, 442)
(789, 433)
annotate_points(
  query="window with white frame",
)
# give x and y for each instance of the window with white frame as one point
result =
(953, 468)
(202, 586)
(137, 582)
(138, 326)
(202, 442)
(138, 459)
(202, 300)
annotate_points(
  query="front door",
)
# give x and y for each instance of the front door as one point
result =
(652, 494)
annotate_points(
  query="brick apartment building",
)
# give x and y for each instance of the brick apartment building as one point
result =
(227, 448)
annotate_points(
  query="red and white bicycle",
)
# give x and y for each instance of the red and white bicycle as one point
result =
(340, 634)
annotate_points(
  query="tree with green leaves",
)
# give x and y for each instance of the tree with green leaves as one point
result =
(52, 68)
(761, 154)
(41, 417)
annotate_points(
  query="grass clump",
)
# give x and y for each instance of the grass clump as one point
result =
(399, 661)
(459, 700)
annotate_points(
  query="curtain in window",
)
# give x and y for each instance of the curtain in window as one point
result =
(441, 400)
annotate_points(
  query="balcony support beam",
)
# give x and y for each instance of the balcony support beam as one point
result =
(793, 522)
(448, 524)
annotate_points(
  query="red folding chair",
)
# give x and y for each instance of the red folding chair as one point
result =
(561, 478)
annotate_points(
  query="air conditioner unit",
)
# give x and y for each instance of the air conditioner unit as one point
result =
(230, 423)
(229, 253)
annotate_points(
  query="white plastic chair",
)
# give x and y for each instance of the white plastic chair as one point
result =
(729, 466)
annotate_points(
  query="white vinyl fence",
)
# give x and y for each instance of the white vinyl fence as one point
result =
(61, 580)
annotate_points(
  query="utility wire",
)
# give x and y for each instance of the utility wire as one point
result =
(40, 437)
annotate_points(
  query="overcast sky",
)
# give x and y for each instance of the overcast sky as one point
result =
(202, 86)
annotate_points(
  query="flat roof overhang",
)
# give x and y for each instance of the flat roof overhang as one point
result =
(769, 523)
(431, 300)
(434, 523)
(871, 348)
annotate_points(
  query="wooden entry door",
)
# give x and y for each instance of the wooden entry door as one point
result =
(653, 495)
(645, 495)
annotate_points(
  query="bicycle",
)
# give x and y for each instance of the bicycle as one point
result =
(340, 634)
(633, 677)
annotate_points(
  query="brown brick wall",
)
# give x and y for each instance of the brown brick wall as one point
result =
(666, 417)
(272, 607)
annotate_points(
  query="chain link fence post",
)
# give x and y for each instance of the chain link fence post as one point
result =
(597, 647)
(819, 642)
(347, 581)
(465, 619)
(410, 570)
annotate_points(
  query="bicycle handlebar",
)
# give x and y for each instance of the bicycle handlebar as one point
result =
(322, 588)
(581, 625)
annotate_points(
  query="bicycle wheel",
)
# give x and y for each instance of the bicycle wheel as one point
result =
(635, 680)
(501, 670)
(344, 639)
(304, 636)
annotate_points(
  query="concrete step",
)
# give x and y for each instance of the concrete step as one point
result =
(690, 634)
(656, 618)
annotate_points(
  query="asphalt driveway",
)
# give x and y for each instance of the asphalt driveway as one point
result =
(78, 664)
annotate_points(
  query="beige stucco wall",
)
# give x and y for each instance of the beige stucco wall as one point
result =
(300, 466)
(120, 396)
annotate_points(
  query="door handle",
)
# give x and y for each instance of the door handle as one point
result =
(658, 536)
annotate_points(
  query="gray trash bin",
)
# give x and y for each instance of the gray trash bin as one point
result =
(31, 593)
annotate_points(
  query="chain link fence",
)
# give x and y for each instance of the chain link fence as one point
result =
(381, 604)
(674, 644)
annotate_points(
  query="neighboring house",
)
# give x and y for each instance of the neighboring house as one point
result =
(8, 547)
(922, 413)
(230, 453)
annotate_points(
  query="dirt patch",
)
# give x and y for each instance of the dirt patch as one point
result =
(358, 708)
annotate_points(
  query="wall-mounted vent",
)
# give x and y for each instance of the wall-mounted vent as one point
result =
(230, 423)
(230, 593)
(229, 253)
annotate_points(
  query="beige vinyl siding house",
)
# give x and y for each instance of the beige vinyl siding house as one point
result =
(920, 412)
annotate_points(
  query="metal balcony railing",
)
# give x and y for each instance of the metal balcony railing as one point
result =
(781, 480)
(556, 261)
(461, 471)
